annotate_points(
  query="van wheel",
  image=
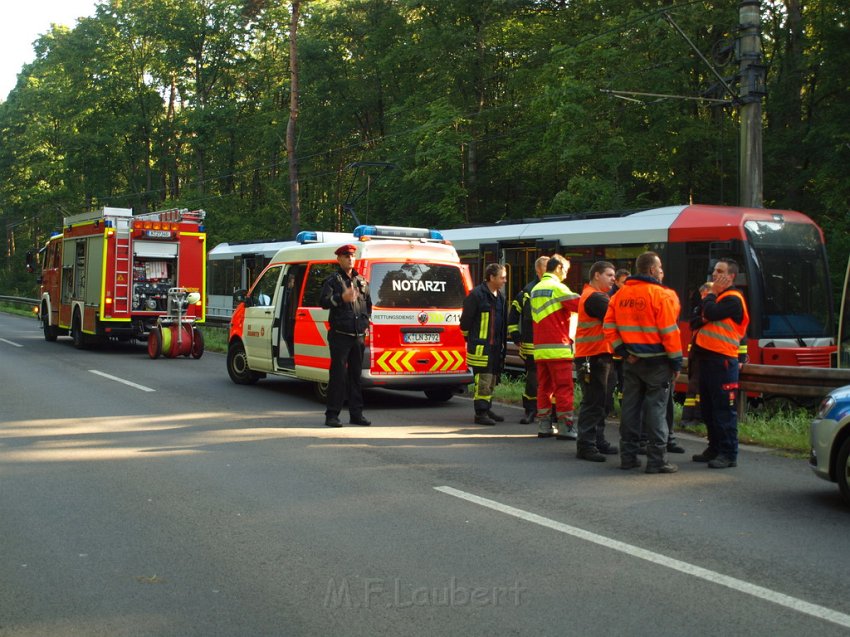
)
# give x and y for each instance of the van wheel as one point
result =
(842, 470)
(321, 391)
(237, 365)
(51, 332)
(439, 395)
(77, 335)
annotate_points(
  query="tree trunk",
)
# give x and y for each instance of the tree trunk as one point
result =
(294, 200)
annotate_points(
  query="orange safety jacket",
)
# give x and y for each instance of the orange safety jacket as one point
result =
(642, 318)
(590, 338)
(724, 336)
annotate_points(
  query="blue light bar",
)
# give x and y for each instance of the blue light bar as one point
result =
(398, 232)
(307, 236)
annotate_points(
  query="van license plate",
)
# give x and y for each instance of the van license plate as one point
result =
(421, 337)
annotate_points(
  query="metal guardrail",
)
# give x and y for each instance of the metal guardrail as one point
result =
(771, 380)
(20, 300)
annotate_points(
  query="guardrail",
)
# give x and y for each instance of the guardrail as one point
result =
(20, 300)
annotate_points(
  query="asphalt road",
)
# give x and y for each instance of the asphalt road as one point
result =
(182, 504)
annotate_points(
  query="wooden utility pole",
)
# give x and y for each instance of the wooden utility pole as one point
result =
(294, 195)
(752, 89)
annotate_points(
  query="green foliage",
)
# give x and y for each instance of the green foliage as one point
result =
(491, 109)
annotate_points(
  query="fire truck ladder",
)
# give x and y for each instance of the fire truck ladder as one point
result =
(121, 283)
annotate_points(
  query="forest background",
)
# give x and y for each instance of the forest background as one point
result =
(489, 109)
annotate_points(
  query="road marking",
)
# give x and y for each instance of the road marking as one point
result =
(121, 380)
(820, 612)
(11, 343)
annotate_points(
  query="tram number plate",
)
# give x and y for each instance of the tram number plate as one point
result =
(421, 337)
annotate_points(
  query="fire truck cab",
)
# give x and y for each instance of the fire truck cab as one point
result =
(417, 285)
(108, 273)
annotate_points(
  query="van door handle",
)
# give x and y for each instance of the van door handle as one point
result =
(301, 314)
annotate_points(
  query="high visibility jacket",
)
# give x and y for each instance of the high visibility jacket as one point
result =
(642, 318)
(483, 322)
(520, 323)
(590, 338)
(724, 336)
(552, 302)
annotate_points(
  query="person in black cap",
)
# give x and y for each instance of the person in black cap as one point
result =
(346, 294)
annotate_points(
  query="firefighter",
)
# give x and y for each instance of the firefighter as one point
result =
(483, 322)
(642, 325)
(717, 345)
(346, 294)
(521, 331)
(552, 303)
(593, 354)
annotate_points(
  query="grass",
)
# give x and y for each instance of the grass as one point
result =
(786, 431)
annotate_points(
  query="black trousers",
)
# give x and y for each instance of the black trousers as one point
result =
(344, 381)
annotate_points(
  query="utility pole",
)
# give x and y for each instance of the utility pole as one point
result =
(752, 89)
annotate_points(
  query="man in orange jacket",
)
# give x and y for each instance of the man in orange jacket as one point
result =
(642, 325)
(717, 344)
(593, 356)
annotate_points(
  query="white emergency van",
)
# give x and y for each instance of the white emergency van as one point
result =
(417, 285)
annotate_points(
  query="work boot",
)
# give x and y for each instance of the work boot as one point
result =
(629, 462)
(360, 420)
(661, 468)
(722, 462)
(529, 418)
(607, 448)
(706, 456)
(673, 447)
(545, 429)
(590, 453)
(495, 417)
(481, 418)
(332, 421)
(566, 430)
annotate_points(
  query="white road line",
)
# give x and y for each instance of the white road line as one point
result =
(11, 343)
(121, 380)
(821, 612)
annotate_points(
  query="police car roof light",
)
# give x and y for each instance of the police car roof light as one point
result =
(307, 236)
(398, 232)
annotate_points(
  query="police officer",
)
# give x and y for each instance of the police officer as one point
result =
(346, 294)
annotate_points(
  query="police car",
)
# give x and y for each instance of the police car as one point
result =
(830, 440)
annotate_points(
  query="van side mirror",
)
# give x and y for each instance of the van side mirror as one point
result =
(240, 296)
(30, 261)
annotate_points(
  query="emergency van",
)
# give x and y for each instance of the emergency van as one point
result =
(108, 273)
(417, 285)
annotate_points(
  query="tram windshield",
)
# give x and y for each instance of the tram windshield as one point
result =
(794, 279)
(416, 285)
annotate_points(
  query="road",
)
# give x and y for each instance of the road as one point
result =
(182, 504)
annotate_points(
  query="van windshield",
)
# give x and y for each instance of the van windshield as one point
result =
(416, 285)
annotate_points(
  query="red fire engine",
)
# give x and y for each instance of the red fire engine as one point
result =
(109, 272)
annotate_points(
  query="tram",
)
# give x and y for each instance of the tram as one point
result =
(234, 266)
(784, 273)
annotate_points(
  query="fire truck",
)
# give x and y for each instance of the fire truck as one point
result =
(108, 273)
